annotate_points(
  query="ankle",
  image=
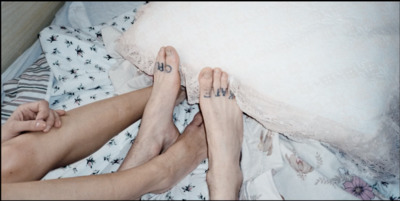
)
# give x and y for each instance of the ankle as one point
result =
(160, 168)
(224, 183)
(137, 156)
(171, 160)
(222, 163)
(232, 175)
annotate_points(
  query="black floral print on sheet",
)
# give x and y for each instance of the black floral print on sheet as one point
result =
(80, 64)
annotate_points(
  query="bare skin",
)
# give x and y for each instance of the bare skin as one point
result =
(156, 176)
(84, 130)
(140, 174)
(157, 130)
(224, 129)
(34, 116)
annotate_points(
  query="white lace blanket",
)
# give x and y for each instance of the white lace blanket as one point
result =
(311, 70)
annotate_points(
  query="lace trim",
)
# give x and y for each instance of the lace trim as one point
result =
(356, 149)
(352, 145)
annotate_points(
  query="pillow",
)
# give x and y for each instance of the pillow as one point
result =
(322, 70)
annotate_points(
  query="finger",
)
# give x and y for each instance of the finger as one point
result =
(57, 119)
(33, 125)
(61, 112)
(42, 109)
(24, 112)
(50, 121)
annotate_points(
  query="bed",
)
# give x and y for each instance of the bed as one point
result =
(70, 66)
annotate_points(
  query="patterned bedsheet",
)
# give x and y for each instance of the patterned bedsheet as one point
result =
(31, 85)
(73, 71)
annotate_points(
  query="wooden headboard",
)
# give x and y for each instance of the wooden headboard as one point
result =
(20, 24)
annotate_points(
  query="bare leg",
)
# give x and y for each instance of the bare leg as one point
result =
(224, 128)
(85, 129)
(157, 130)
(155, 176)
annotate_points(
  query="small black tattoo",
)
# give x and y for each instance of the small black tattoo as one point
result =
(223, 92)
(231, 95)
(207, 95)
(160, 67)
(217, 95)
(168, 68)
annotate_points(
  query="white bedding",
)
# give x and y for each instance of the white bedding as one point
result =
(272, 163)
(322, 71)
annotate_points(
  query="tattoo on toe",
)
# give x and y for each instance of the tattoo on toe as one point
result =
(223, 91)
(168, 68)
(207, 95)
(231, 95)
(160, 66)
(217, 94)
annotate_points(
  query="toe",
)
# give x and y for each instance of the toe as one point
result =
(224, 84)
(171, 60)
(160, 60)
(217, 82)
(205, 82)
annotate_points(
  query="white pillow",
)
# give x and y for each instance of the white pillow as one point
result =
(322, 70)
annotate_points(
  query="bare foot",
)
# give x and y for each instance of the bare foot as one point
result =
(183, 156)
(224, 128)
(157, 131)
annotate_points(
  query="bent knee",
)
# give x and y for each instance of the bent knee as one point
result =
(18, 159)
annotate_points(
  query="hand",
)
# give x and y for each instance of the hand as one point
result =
(34, 116)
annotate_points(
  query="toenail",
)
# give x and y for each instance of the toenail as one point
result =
(169, 52)
(161, 50)
(207, 74)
